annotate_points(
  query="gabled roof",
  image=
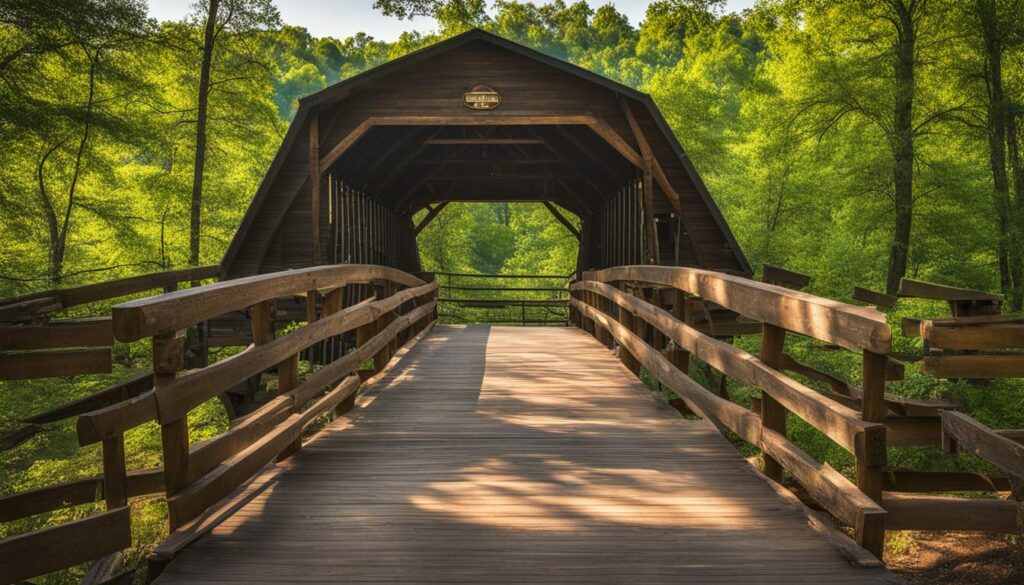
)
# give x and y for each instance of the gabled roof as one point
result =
(342, 89)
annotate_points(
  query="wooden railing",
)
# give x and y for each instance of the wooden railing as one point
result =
(610, 304)
(198, 476)
(548, 294)
(34, 345)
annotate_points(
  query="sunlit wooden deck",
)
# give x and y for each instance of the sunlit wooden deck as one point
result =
(512, 455)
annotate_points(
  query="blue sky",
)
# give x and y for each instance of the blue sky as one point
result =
(343, 18)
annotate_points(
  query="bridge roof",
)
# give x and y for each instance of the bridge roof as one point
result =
(402, 134)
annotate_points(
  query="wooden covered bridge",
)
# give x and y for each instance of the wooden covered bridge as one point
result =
(378, 446)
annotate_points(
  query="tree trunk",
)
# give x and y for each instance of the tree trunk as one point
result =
(993, 74)
(903, 148)
(1016, 232)
(200, 161)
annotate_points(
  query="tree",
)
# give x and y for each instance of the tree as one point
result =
(237, 18)
(999, 27)
(62, 39)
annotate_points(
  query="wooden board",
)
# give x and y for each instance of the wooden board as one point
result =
(977, 366)
(53, 364)
(940, 292)
(88, 332)
(514, 455)
(64, 545)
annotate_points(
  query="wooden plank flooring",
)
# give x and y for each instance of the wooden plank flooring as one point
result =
(514, 455)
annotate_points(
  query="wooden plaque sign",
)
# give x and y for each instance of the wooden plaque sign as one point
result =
(481, 97)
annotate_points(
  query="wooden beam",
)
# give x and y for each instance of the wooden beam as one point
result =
(431, 214)
(898, 480)
(600, 127)
(962, 432)
(87, 332)
(562, 220)
(919, 512)
(977, 366)
(940, 292)
(315, 180)
(648, 154)
(874, 297)
(65, 545)
(52, 364)
(786, 278)
(653, 255)
(450, 141)
(994, 336)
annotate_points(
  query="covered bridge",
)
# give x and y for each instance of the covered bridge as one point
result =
(478, 118)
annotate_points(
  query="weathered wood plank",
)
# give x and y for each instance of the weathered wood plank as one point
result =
(54, 364)
(977, 366)
(994, 336)
(73, 493)
(940, 292)
(129, 388)
(919, 512)
(784, 277)
(874, 297)
(88, 332)
(64, 545)
(970, 435)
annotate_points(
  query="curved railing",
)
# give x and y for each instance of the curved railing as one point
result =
(614, 304)
(195, 477)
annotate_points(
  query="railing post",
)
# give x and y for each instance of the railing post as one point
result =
(773, 414)
(115, 473)
(168, 356)
(680, 357)
(381, 358)
(603, 335)
(626, 318)
(869, 477)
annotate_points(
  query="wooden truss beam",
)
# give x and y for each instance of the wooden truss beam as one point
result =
(562, 219)
(431, 214)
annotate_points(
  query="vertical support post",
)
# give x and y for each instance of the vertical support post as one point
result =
(115, 474)
(168, 358)
(869, 478)
(314, 179)
(870, 531)
(679, 357)
(603, 335)
(314, 352)
(381, 358)
(773, 414)
(626, 318)
(287, 380)
(651, 228)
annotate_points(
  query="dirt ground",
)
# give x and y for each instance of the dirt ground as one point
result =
(956, 558)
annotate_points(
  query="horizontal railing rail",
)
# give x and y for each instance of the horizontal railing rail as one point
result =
(622, 314)
(537, 303)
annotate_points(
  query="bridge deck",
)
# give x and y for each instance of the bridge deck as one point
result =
(511, 455)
